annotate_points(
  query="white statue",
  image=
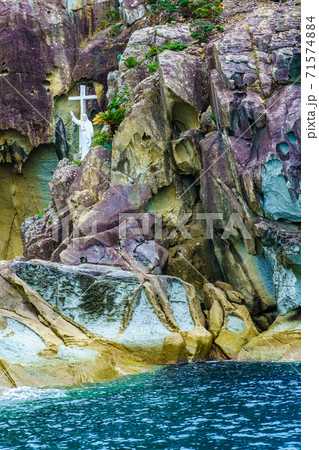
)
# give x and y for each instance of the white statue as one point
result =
(86, 133)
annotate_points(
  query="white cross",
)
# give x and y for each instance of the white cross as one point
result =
(83, 99)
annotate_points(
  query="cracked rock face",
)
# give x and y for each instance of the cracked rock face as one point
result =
(92, 222)
(214, 133)
(68, 325)
(253, 168)
(244, 164)
(261, 52)
(47, 48)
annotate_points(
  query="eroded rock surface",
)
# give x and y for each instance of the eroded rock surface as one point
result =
(208, 154)
(59, 317)
(41, 346)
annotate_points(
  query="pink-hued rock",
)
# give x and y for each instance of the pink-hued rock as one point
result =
(92, 222)
(184, 76)
(117, 200)
(62, 179)
(260, 52)
(132, 10)
(251, 165)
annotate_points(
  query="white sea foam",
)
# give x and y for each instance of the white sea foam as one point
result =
(25, 393)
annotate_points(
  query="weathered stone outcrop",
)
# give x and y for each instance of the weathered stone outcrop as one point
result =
(229, 320)
(247, 170)
(89, 221)
(47, 48)
(41, 346)
(251, 165)
(75, 320)
(281, 342)
(202, 183)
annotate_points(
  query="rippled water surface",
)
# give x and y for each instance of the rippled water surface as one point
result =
(221, 405)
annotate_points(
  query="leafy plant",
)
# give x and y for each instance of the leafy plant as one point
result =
(205, 9)
(115, 30)
(76, 162)
(213, 117)
(113, 117)
(175, 47)
(112, 16)
(122, 98)
(131, 62)
(43, 211)
(201, 30)
(257, 71)
(151, 52)
(152, 67)
(102, 139)
(187, 8)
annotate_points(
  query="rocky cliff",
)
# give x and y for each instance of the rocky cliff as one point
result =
(198, 195)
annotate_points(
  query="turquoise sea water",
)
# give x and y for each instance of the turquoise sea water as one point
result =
(222, 405)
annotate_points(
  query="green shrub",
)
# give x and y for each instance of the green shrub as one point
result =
(115, 30)
(187, 9)
(205, 9)
(113, 117)
(166, 6)
(102, 139)
(76, 162)
(151, 52)
(175, 47)
(152, 67)
(43, 211)
(112, 16)
(120, 99)
(131, 62)
(201, 30)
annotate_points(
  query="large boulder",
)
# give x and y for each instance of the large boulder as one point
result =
(42, 347)
(132, 309)
(117, 200)
(281, 342)
(132, 10)
(228, 321)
